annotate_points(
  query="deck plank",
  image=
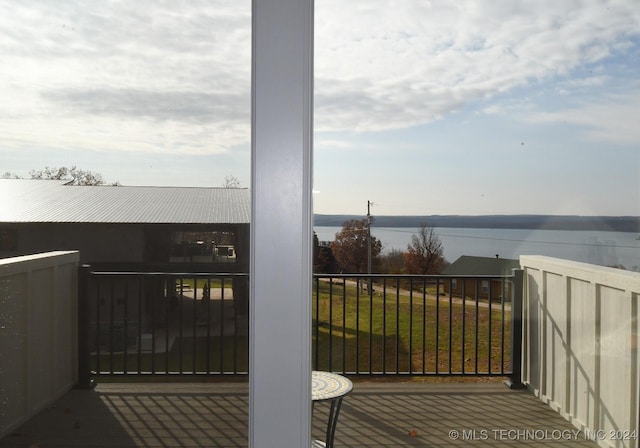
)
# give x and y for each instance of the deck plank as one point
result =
(374, 414)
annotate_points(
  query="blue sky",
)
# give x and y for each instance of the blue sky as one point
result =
(441, 107)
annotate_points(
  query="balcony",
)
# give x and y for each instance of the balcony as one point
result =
(376, 414)
(570, 338)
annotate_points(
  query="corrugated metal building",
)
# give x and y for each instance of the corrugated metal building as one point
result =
(128, 227)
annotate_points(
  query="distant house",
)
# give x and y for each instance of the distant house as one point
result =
(493, 288)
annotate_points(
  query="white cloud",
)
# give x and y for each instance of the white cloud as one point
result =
(175, 76)
(324, 143)
(144, 76)
(387, 65)
(612, 119)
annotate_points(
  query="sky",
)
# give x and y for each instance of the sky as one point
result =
(421, 107)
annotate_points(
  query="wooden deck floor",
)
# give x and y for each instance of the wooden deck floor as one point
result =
(373, 415)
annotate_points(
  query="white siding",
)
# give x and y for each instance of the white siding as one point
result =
(38, 333)
(581, 344)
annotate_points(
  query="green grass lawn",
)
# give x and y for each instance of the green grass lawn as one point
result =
(215, 282)
(187, 355)
(395, 332)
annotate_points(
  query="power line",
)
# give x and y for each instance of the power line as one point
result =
(521, 240)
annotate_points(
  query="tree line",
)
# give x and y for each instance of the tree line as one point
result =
(77, 176)
(348, 253)
(74, 175)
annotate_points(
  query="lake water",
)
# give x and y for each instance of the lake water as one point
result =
(596, 247)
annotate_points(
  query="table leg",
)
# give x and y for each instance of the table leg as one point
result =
(333, 421)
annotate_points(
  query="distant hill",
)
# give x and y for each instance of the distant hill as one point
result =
(546, 222)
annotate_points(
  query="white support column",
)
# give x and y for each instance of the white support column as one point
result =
(281, 224)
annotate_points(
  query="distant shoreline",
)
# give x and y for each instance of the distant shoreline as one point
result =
(542, 222)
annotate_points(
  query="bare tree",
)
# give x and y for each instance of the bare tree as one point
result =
(10, 175)
(74, 175)
(424, 254)
(392, 262)
(231, 182)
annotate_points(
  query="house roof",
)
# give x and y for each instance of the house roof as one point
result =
(52, 201)
(468, 265)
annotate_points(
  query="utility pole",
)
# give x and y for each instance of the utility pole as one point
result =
(369, 204)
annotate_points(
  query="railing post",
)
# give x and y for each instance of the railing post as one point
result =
(515, 381)
(84, 369)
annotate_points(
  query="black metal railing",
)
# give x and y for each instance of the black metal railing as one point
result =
(159, 323)
(417, 325)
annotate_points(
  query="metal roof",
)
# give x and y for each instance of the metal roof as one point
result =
(52, 201)
(468, 265)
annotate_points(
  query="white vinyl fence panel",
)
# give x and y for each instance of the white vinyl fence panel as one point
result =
(38, 333)
(580, 345)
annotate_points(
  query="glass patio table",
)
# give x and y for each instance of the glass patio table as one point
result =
(326, 386)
